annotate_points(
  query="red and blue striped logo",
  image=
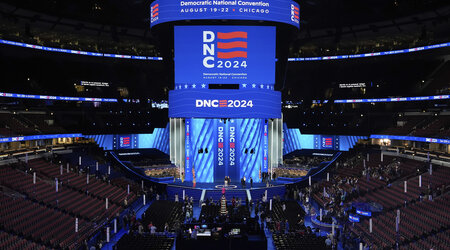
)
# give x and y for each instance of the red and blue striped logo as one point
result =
(232, 45)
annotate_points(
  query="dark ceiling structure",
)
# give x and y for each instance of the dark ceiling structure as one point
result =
(327, 26)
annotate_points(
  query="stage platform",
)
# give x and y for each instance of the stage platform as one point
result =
(219, 185)
(203, 191)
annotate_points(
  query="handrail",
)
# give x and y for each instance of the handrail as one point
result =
(132, 171)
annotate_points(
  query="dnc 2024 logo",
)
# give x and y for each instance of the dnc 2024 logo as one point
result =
(225, 50)
(125, 141)
(327, 142)
(295, 14)
(154, 13)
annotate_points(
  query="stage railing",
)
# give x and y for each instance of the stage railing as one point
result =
(133, 174)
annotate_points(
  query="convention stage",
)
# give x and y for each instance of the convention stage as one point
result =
(213, 191)
(220, 185)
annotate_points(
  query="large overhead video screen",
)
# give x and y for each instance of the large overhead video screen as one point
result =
(224, 103)
(282, 11)
(225, 54)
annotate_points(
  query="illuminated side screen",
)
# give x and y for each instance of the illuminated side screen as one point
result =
(224, 55)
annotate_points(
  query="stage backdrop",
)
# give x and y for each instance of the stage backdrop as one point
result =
(295, 140)
(159, 139)
(216, 148)
(253, 144)
(201, 156)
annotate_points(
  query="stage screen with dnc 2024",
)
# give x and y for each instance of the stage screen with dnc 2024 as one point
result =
(225, 54)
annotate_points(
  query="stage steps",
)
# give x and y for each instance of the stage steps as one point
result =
(229, 194)
(254, 194)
